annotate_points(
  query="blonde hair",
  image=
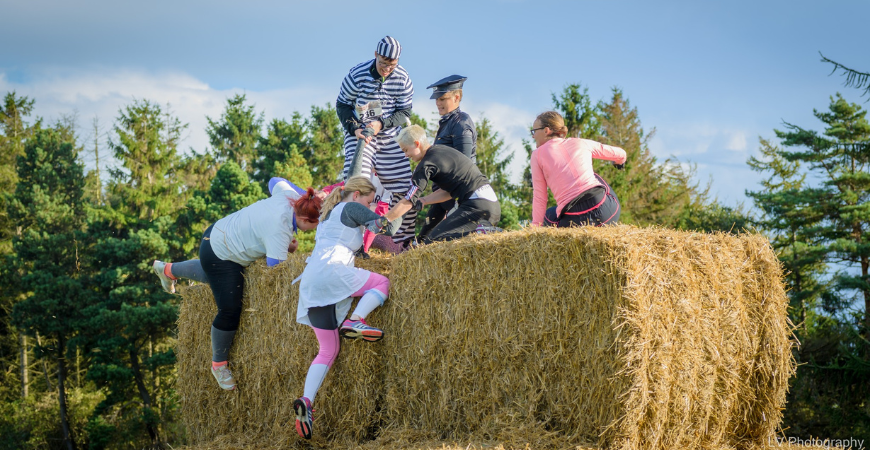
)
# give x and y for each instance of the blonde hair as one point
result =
(454, 92)
(409, 135)
(355, 184)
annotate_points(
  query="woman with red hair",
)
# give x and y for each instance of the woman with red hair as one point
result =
(231, 244)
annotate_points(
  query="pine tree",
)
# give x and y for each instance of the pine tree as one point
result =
(130, 328)
(230, 191)
(854, 78)
(15, 130)
(50, 251)
(649, 192)
(280, 154)
(580, 115)
(791, 227)
(493, 160)
(837, 209)
(325, 147)
(235, 136)
(14, 346)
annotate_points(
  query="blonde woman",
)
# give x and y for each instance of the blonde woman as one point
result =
(330, 280)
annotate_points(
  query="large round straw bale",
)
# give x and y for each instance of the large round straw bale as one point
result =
(632, 338)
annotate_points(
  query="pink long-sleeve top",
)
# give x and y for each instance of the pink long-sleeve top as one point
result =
(565, 166)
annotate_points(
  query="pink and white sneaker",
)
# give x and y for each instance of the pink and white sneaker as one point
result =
(304, 416)
(359, 329)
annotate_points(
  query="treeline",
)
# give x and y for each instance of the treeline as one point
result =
(86, 333)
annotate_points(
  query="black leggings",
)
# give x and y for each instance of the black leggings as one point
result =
(227, 282)
(465, 220)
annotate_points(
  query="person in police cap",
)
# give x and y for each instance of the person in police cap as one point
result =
(456, 130)
(376, 94)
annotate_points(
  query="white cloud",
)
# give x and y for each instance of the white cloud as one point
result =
(736, 142)
(102, 93)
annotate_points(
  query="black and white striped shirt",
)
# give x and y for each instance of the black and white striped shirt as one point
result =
(360, 88)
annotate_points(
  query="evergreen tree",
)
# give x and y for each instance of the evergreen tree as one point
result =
(235, 136)
(493, 161)
(15, 130)
(130, 328)
(581, 116)
(325, 149)
(791, 227)
(280, 154)
(854, 78)
(14, 347)
(50, 251)
(649, 192)
(838, 208)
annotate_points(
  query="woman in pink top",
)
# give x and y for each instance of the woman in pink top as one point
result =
(565, 166)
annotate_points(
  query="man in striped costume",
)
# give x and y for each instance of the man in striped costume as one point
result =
(377, 94)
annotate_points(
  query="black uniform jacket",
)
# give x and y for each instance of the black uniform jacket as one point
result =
(450, 170)
(457, 130)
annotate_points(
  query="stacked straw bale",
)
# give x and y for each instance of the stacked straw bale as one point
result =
(625, 337)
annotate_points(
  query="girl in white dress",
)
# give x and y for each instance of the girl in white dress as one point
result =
(330, 280)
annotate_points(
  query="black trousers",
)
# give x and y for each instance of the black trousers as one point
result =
(227, 282)
(465, 220)
(436, 214)
(597, 206)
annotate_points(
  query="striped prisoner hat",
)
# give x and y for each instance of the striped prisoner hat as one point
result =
(389, 47)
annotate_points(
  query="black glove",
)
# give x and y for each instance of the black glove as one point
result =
(417, 205)
(619, 166)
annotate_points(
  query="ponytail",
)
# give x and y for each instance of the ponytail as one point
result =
(554, 121)
(308, 206)
(359, 184)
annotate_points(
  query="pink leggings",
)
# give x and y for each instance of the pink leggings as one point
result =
(376, 281)
(327, 337)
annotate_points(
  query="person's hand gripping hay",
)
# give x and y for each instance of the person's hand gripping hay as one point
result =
(330, 281)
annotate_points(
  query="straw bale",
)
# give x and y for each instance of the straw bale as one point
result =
(625, 337)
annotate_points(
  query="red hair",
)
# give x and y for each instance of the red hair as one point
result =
(308, 206)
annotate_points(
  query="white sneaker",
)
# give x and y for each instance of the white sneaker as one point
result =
(167, 283)
(224, 377)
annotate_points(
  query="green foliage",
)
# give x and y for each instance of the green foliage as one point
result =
(280, 155)
(34, 423)
(325, 149)
(493, 159)
(129, 329)
(649, 192)
(581, 116)
(47, 205)
(235, 136)
(814, 205)
(15, 130)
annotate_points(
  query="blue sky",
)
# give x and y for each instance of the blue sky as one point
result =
(710, 77)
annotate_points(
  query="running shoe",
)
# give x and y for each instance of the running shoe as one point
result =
(167, 283)
(304, 416)
(224, 377)
(359, 329)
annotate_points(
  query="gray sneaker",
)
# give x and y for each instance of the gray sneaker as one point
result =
(167, 283)
(224, 377)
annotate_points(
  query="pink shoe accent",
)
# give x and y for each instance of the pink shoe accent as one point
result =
(167, 270)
